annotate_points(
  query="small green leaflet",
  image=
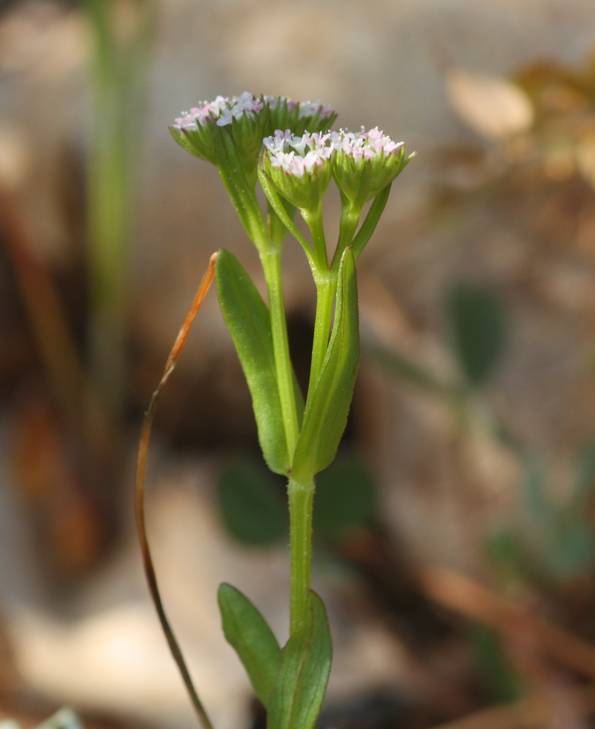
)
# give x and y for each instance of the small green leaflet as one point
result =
(249, 634)
(303, 678)
(327, 407)
(248, 322)
(479, 332)
(252, 503)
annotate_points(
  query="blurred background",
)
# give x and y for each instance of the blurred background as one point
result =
(456, 532)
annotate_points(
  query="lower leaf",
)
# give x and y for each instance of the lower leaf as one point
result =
(248, 633)
(305, 670)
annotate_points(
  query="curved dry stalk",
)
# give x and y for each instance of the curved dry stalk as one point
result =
(530, 713)
(139, 500)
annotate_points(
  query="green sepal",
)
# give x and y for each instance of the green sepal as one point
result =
(305, 192)
(248, 322)
(303, 677)
(325, 416)
(199, 142)
(362, 179)
(250, 636)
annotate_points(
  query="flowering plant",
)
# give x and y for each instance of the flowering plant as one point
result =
(288, 148)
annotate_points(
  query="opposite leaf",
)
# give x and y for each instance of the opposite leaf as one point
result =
(249, 634)
(303, 678)
(248, 322)
(327, 407)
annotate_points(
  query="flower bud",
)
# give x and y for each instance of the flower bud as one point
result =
(365, 162)
(298, 166)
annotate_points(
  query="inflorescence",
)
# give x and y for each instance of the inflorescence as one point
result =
(297, 154)
(223, 110)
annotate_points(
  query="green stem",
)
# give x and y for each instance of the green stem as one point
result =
(301, 502)
(313, 219)
(326, 287)
(350, 216)
(271, 264)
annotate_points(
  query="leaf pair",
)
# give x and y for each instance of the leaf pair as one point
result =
(290, 682)
(327, 407)
(325, 417)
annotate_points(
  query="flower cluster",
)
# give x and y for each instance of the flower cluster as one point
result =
(211, 129)
(299, 116)
(365, 162)
(237, 125)
(223, 110)
(298, 165)
(364, 145)
(298, 154)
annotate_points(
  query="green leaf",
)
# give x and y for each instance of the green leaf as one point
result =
(303, 678)
(248, 633)
(478, 328)
(371, 221)
(585, 480)
(325, 416)
(251, 504)
(411, 372)
(345, 499)
(248, 322)
(534, 488)
(570, 546)
(494, 666)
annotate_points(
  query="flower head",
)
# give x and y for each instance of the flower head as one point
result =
(231, 129)
(201, 129)
(299, 116)
(365, 162)
(298, 165)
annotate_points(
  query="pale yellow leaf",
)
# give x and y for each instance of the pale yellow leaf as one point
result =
(492, 106)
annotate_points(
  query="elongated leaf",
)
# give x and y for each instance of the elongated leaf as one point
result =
(585, 478)
(305, 669)
(249, 634)
(248, 322)
(327, 407)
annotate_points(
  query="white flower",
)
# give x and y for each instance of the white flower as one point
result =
(364, 145)
(295, 154)
(304, 108)
(223, 110)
